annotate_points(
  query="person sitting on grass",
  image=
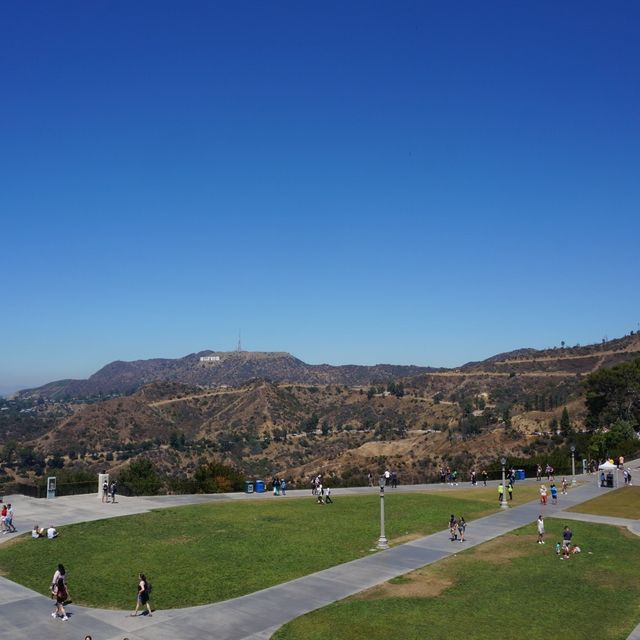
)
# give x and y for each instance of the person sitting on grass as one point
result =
(38, 532)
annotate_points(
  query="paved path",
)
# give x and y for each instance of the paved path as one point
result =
(24, 613)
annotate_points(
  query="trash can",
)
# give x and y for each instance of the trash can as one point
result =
(248, 486)
(520, 475)
(259, 486)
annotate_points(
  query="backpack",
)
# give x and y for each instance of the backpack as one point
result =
(149, 588)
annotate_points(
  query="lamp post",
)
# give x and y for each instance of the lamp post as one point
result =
(382, 540)
(573, 465)
(503, 502)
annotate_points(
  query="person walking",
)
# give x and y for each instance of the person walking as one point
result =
(113, 492)
(540, 524)
(543, 494)
(510, 490)
(60, 572)
(327, 496)
(564, 486)
(105, 491)
(8, 521)
(283, 487)
(484, 477)
(453, 528)
(554, 493)
(142, 599)
(462, 525)
(500, 493)
(538, 473)
(61, 595)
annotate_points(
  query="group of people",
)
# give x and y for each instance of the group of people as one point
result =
(279, 486)
(548, 471)
(449, 476)
(109, 490)
(6, 519)
(564, 549)
(390, 479)
(320, 491)
(60, 593)
(41, 532)
(457, 527)
(607, 481)
(473, 476)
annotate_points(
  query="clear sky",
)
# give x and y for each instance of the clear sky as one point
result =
(352, 182)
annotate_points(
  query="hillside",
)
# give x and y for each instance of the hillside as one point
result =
(233, 368)
(511, 403)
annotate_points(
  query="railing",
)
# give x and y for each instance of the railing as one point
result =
(40, 490)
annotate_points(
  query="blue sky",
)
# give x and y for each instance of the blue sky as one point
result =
(361, 182)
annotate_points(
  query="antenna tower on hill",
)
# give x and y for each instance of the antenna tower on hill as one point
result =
(239, 348)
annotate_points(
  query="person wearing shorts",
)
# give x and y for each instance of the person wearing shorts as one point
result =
(142, 599)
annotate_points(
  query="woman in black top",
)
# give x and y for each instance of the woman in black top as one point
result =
(143, 595)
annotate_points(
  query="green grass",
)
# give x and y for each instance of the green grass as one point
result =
(621, 503)
(207, 553)
(510, 586)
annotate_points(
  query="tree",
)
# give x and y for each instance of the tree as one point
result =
(311, 424)
(565, 423)
(141, 478)
(217, 478)
(614, 394)
(56, 462)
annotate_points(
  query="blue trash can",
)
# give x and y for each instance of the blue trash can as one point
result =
(259, 486)
(520, 475)
(248, 486)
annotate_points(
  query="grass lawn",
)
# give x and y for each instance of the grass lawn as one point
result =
(619, 503)
(509, 587)
(207, 553)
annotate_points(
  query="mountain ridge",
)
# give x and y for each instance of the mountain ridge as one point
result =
(212, 369)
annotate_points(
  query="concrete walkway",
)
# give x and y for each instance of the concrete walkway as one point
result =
(24, 614)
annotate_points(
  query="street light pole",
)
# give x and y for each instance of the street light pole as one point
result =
(503, 502)
(382, 540)
(573, 465)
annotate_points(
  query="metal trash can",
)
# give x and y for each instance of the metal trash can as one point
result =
(248, 486)
(259, 486)
(520, 474)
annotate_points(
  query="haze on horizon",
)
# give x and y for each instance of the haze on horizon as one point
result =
(354, 184)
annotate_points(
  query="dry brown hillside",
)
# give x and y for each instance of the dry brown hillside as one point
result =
(511, 403)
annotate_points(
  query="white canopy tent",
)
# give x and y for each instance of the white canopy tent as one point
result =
(607, 468)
